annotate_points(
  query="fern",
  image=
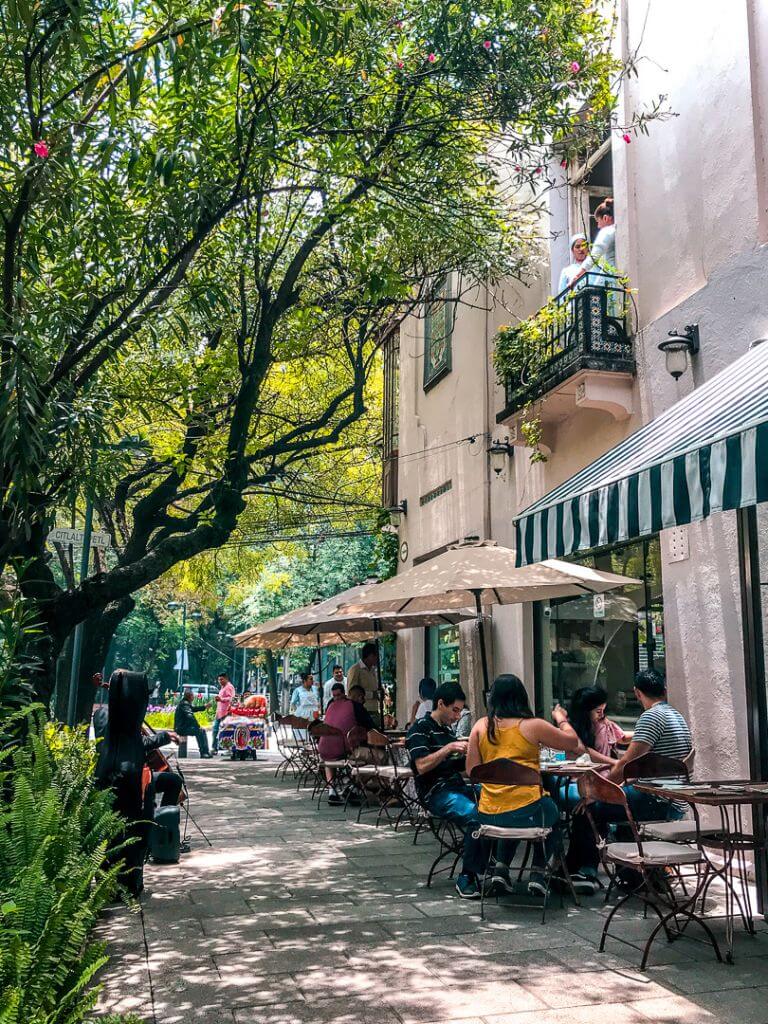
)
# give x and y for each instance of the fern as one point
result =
(55, 827)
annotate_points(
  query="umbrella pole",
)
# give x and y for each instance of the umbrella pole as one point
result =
(377, 626)
(319, 673)
(483, 652)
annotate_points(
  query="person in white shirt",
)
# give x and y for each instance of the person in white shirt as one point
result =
(304, 699)
(579, 253)
(426, 702)
(337, 676)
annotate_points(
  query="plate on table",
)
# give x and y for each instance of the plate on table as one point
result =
(665, 783)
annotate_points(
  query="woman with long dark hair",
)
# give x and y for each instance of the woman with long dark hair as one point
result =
(511, 731)
(120, 766)
(587, 716)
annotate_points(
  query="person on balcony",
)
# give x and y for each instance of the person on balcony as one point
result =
(569, 273)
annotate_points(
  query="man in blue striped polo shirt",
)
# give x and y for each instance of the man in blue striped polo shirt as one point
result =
(660, 729)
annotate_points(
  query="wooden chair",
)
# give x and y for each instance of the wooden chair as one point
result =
(503, 771)
(651, 858)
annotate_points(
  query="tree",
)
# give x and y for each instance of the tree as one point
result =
(199, 209)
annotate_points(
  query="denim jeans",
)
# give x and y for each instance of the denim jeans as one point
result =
(459, 806)
(216, 726)
(542, 812)
(582, 852)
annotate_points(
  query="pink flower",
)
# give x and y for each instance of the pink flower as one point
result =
(431, 58)
(518, 168)
(487, 44)
(41, 150)
(627, 137)
(563, 163)
(575, 67)
(539, 170)
(400, 64)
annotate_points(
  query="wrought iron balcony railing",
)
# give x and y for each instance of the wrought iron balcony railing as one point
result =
(591, 336)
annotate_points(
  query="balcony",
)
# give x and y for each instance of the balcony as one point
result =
(588, 363)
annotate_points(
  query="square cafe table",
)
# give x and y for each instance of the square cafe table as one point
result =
(733, 842)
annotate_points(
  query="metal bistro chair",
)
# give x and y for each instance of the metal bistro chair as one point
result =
(299, 740)
(286, 747)
(449, 837)
(391, 776)
(650, 859)
(340, 765)
(652, 766)
(503, 771)
(361, 768)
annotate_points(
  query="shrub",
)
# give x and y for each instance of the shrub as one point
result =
(55, 827)
(54, 831)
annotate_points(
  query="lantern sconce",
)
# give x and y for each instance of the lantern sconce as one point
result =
(678, 347)
(499, 452)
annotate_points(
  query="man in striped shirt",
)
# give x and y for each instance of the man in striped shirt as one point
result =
(660, 729)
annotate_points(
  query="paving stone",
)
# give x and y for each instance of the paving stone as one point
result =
(610, 1013)
(330, 922)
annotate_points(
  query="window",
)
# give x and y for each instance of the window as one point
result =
(591, 183)
(438, 331)
(391, 350)
(585, 641)
(443, 654)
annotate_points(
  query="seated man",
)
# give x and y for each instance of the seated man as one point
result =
(438, 760)
(660, 729)
(185, 723)
(362, 715)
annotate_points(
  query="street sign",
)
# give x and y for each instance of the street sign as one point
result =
(181, 666)
(62, 535)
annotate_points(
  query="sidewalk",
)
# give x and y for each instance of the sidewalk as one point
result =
(299, 916)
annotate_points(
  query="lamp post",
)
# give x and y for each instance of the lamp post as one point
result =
(173, 606)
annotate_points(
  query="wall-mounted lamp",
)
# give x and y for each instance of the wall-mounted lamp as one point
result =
(500, 451)
(678, 347)
(397, 512)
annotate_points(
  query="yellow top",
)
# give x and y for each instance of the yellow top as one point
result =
(510, 743)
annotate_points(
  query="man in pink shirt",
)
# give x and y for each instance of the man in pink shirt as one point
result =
(224, 699)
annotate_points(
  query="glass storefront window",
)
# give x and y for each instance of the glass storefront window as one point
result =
(604, 640)
(443, 654)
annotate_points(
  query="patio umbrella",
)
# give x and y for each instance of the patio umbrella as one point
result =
(322, 625)
(480, 574)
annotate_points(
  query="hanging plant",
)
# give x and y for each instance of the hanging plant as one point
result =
(521, 352)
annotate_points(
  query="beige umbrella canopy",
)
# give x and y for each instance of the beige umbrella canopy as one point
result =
(481, 574)
(322, 625)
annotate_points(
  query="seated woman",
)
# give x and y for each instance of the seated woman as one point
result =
(511, 731)
(598, 734)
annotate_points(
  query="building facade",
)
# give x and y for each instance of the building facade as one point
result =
(691, 204)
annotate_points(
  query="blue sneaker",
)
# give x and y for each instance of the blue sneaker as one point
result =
(467, 887)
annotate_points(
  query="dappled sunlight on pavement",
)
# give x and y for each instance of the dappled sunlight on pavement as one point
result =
(297, 915)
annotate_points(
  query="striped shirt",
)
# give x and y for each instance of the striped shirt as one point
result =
(665, 731)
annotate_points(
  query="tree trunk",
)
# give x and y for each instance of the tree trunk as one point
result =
(98, 631)
(274, 696)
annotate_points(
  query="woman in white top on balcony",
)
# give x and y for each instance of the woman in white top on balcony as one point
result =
(602, 253)
(579, 253)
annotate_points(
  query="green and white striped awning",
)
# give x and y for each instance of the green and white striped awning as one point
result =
(707, 453)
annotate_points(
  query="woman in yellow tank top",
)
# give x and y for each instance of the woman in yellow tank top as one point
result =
(511, 731)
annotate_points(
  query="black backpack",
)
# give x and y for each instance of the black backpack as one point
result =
(165, 837)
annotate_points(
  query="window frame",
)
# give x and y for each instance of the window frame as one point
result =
(439, 294)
